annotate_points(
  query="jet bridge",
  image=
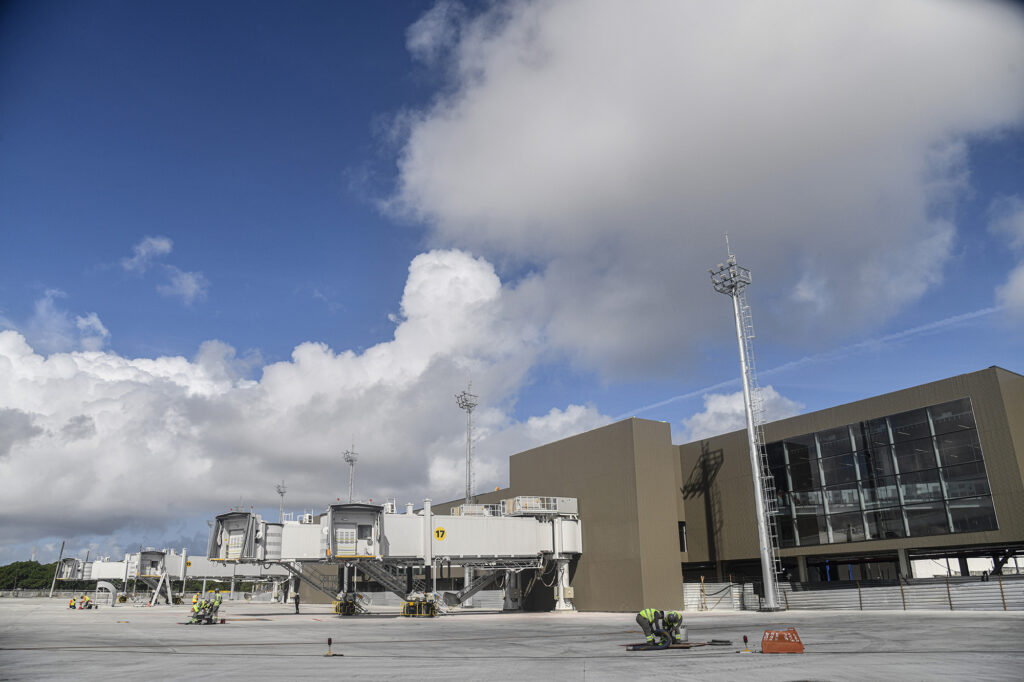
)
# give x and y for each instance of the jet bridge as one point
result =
(517, 534)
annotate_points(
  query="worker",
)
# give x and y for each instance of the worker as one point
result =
(71, 603)
(87, 600)
(674, 626)
(296, 601)
(195, 612)
(195, 599)
(216, 602)
(650, 620)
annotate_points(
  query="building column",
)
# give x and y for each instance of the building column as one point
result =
(906, 570)
(801, 569)
(964, 568)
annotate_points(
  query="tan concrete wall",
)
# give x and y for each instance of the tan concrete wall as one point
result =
(1000, 430)
(657, 471)
(598, 469)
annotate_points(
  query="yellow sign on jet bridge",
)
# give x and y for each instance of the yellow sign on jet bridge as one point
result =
(440, 533)
(188, 562)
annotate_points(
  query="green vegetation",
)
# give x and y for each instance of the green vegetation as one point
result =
(26, 575)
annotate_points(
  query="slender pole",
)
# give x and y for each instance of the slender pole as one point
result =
(469, 456)
(57, 568)
(764, 538)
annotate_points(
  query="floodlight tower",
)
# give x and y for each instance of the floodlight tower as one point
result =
(732, 279)
(281, 490)
(351, 457)
(467, 401)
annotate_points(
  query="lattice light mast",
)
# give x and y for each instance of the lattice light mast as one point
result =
(351, 457)
(467, 401)
(731, 279)
(281, 490)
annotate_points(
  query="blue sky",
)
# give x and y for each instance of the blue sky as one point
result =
(238, 237)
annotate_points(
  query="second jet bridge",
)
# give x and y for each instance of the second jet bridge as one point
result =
(517, 534)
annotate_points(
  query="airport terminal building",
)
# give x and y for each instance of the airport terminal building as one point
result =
(864, 489)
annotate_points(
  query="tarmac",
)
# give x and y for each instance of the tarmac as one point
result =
(43, 639)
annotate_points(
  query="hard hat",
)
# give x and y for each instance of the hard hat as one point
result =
(672, 618)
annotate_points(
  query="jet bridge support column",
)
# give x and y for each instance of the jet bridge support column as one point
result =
(562, 573)
(513, 594)
(561, 569)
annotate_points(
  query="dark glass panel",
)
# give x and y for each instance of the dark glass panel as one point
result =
(953, 416)
(921, 486)
(801, 449)
(847, 527)
(966, 480)
(808, 502)
(877, 462)
(834, 441)
(841, 469)
(784, 525)
(881, 492)
(805, 475)
(959, 447)
(972, 515)
(877, 432)
(811, 530)
(884, 524)
(842, 498)
(911, 425)
(915, 455)
(776, 454)
(927, 519)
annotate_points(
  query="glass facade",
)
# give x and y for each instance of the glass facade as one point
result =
(911, 474)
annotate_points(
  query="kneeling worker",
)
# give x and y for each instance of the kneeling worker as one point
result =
(71, 603)
(674, 626)
(649, 620)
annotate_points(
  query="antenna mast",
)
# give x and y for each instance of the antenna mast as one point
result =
(467, 401)
(281, 490)
(351, 457)
(732, 280)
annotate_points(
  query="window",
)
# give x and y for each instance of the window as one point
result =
(682, 536)
(927, 519)
(365, 532)
(953, 416)
(916, 473)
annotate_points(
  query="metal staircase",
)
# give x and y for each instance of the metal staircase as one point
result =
(388, 577)
(456, 598)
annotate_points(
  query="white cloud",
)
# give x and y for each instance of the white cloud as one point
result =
(139, 443)
(725, 412)
(93, 333)
(145, 252)
(1008, 221)
(433, 34)
(610, 145)
(188, 286)
(52, 329)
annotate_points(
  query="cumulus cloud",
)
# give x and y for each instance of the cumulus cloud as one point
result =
(606, 147)
(1008, 221)
(188, 286)
(142, 442)
(145, 252)
(725, 412)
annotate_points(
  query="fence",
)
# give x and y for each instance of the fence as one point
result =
(996, 594)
